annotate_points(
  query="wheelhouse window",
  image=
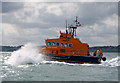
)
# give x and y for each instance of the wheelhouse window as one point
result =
(53, 43)
(70, 45)
(62, 44)
(48, 43)
(57, 44)
(66, 44)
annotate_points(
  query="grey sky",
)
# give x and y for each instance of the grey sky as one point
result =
(24, 22)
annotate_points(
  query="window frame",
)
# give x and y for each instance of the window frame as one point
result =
(58, 44)
(52, 43)
(61, 43)
(70, 44)
(48, 42)
(65, 45)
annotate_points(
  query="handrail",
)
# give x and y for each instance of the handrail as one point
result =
(71, 52)
(77, 52)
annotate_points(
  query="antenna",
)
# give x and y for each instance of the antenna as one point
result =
(66, 27)
(66, 24)
(76, 20)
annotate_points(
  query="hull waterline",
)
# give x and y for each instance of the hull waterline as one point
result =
(73, 59)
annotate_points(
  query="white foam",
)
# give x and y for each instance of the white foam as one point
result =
(27, 54)
(112, 63)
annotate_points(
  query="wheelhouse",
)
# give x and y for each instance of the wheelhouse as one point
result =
(67, 44)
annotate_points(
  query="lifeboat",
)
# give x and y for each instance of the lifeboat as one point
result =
(68, 48)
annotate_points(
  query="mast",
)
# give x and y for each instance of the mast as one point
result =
(66, 27)
(74, 27)
(70, 29)
(76, 21)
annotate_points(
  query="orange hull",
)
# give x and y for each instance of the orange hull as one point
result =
(66, 45)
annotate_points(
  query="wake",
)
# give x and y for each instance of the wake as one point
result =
(112, 63)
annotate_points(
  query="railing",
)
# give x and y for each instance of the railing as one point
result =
(71, 52)
(78, 52)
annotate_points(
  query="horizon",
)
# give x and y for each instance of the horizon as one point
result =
(45, 45)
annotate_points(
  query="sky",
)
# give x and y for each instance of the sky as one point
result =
(24, 22)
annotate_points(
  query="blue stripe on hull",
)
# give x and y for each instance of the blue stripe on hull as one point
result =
(76, 59)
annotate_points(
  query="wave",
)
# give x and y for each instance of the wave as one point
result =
(26, 55)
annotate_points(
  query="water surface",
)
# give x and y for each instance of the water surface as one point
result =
(15, 67)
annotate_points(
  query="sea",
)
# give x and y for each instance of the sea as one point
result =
(26, 64)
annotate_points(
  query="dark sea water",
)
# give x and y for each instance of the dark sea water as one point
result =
(15, 67)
